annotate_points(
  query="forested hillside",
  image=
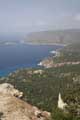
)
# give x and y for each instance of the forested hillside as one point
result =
(41, 87)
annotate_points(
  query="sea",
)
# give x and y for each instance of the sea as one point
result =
(20, 55)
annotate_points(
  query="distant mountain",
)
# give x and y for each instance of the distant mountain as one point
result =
(50, 37)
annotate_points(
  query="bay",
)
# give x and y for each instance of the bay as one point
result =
(13, 57)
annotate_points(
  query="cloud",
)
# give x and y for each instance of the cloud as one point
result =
(40, 23)
(77, 17)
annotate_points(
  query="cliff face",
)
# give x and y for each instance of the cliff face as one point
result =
(12, 108)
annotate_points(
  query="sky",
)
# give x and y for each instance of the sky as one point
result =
(22, 16)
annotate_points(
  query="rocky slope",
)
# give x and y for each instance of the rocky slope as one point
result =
(12, 108)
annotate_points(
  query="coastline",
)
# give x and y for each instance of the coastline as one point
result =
(48, 62)
(31, 43)
(12, 69)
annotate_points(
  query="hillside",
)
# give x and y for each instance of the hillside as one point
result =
(41, 86)
(51, 37)
(69, 55)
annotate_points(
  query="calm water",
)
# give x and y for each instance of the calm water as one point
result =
(19, 56)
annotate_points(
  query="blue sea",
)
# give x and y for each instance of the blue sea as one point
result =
(13, 57)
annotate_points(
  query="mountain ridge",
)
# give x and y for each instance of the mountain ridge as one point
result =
(50, 37)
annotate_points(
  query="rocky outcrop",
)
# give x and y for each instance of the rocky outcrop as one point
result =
(9, 89)
(13, 108)
(38, 72)
(61, 104)
(47, 63)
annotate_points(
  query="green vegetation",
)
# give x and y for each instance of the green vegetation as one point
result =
(42, 89)
(69, 53)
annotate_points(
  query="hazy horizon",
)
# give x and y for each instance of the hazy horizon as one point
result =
(23, 16)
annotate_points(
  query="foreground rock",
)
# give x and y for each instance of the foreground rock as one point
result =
(12, 108)
(9, 89)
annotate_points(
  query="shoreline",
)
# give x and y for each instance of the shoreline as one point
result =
(30, 43)
(47, 62)
(10, 70)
